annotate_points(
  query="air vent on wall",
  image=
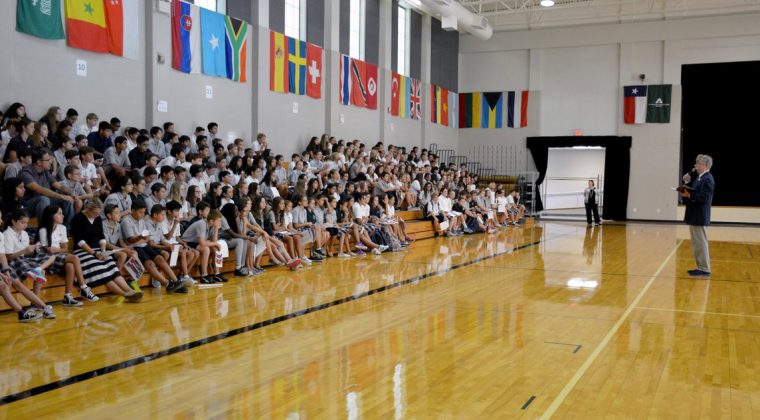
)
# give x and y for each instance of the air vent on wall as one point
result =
(164, 6)
(481, 23)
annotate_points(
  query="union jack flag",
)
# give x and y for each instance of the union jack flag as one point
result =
(415, 100)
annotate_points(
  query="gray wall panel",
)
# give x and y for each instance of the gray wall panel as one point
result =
(394, 36)
(444, 57)
(277, 15)
(240, 9)
(315, 22)
(372, 32)
(415, 46)
(345, 26)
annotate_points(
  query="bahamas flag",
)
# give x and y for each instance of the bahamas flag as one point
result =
(491, 115)
(86, 25)
(278, 62)
(470, 110)
(236, 46)
(213, 32)
(296, 66)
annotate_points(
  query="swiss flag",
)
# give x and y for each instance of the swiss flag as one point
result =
(395, 83)
(313, 71)
(371, 71)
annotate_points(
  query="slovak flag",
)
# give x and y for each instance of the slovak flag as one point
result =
(186, 37)
(345, 79)
(635, 104)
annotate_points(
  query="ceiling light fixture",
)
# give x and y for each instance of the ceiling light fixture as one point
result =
(547, 3)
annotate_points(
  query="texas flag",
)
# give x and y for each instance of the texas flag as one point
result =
(635, 104)
(314, 69)
(186, 37)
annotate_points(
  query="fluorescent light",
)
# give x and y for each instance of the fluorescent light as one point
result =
(547, 3)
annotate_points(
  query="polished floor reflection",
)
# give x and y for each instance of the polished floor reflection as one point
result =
(553, 320)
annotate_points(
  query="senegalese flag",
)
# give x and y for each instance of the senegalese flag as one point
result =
(403, 97)
(86, 25)
(278, 62)
(469, 109)
(296, 66)
(492, 110)
(236, 47)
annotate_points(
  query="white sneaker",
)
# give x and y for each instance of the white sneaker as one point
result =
(352, 254)
(155, 283)
(377, 251)
(383, 248)
(187, 281)
(342, 255)
(306, 261)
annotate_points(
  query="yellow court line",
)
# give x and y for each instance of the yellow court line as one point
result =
(696, 312)
(607, 338)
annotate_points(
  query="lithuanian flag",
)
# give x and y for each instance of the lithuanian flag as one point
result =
(278, 62)
(86, 25)
(469, 110)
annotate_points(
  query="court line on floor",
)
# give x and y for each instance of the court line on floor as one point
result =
(697, 312)
(559, 399)
(52, 386)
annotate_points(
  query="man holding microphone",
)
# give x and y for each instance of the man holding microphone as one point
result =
(698, 200)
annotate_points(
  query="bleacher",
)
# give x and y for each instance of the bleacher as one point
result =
(52, 291)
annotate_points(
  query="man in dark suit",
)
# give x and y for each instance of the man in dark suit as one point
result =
(697, 216)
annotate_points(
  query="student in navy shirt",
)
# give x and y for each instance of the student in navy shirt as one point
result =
(101, 139)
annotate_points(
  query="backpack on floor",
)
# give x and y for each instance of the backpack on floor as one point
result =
(394, 244)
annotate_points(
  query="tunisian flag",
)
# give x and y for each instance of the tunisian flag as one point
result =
(371, 71)
(314, 71)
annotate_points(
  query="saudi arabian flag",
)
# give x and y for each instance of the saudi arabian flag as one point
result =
(41, 18)
(658, 103)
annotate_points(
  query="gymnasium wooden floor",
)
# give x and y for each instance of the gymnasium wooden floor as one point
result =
(553, 320)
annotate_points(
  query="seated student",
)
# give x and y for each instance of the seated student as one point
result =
(54, 241)
(345, 216)
(9, 279)
(203, 235)
(13, 197)
(120, 197)
(196, 179)
(262, 226)
(24, 158)
(92, 176)
(315, 214)
(116, 158)
(482, 206)
(278, 226)
(361, 214)
(331, 224)
(227, 196)
(398, 226)
(23, 258)
(501, 208)
(157, 196)
(174, 234)
(473, 221)
(158, 229)
(137, 156)
(298, 236)
(238, 224)
(176, 157)
(135, 233)
(151, 163)
(114, 242)
(73, 181)
(156, 144)
(177, 193)
(433, 213)
(214, 196)
(138, 188)
(514, 211)
(234, 240)
(456, 219)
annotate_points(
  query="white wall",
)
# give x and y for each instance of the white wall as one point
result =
(577, 74)
(583, 164)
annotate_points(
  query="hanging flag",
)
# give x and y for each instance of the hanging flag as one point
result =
(453, 115)
(345, 79)
(186, 37)
(86, 25)
(314, 69)
(492, 110)
(435, 105)
(40, 18)
(296, 66)
(470, 110)
(395, 84)
(359, 91)
(403, 99)
(371, 71)
(236, 48)
(658, 103)
(122, 27)
(278, 67)
(634, 104)
(444, 119)
(517, 109)
(415, 99)
(213, 33)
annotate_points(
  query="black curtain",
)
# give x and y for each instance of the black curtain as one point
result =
(617, 168)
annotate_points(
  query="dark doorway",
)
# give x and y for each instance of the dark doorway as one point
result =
(719, 109)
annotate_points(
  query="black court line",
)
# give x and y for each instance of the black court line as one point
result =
(527, 403)
(577, 346)
(41, 389)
